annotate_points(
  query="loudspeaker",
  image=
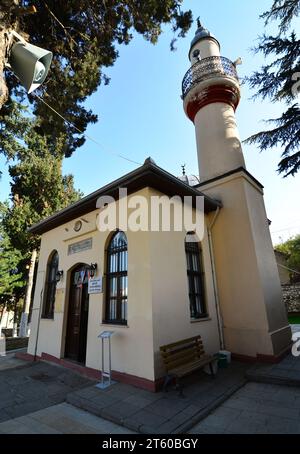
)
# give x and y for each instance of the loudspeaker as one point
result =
(30, 64)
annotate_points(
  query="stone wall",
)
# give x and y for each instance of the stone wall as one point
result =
(291, 297)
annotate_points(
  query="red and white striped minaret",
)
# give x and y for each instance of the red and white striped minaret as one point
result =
(211, 94)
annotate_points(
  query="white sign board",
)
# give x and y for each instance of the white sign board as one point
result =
(95, 285)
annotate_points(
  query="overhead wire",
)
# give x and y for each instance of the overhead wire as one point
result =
(84, 134)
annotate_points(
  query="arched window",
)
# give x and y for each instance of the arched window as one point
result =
(195, 275)
(117, 280)
(50, 286)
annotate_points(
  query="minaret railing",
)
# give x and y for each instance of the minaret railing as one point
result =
(205, 69)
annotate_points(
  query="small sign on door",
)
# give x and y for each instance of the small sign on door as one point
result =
(95, 285)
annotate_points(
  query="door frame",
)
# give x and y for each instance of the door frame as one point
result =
(66, 311)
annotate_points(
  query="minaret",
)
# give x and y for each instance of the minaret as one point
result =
(254, 319)
(211, 94)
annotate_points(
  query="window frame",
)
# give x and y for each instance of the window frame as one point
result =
(196, 279)
(50, 286)
(118, 274)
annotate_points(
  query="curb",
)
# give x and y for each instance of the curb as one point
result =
(209, 409)
(182, 428)
(273, 380)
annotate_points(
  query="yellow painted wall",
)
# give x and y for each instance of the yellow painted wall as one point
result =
(132, 345)
(158, 306)
(253, 313)
(171, 313)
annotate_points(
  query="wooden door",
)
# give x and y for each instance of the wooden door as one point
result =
(77, 323)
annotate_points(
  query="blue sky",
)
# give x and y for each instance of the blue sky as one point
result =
(140, 112)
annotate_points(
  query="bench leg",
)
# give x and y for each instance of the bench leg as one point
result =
(167, 381)
(211, 370)
(179, 386)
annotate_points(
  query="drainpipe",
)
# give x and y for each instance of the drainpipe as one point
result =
(38, 325)
(215, 286)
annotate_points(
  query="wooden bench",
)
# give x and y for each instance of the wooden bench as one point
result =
(182, 358)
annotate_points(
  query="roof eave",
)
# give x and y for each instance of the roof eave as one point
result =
(133, 181)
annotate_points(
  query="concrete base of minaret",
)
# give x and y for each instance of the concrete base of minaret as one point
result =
(254, 317)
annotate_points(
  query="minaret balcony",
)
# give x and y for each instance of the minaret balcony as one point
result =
(208, 69)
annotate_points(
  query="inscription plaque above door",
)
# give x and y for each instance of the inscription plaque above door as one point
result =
(80, 246)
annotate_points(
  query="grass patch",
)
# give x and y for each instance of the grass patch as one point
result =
(294, 319)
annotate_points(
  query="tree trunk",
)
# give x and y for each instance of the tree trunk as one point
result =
(24, 317)
(2, 312)
(3, 87)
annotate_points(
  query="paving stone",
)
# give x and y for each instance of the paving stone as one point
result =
(4, 416)
(246, 413)
(23, 430)
(104, 400)
(279, 410)
(27, 407)
(9, 362)
(168, 408)
(278, 425)
(120, 431)
(35, 425)
(124, 404)
(62, 418)
(150, 396)
(287, 372)
(227, 413)
(145, 418)
(33, 386)
(84, 417)
(88, 393)
(92, 407)
(57, 398)
(138, 401)
(116, 394)
(119, 411)
(260, 418)
(245, 426)
(241, 403)
(68, 425)
(206, 430)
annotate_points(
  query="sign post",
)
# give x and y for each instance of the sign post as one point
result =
(105, 374)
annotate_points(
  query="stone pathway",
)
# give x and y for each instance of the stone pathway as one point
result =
(165, 413)
(28, 387)
(256, 408)
(44, 398)
(61, 419)
(9, 362)
(287, 372)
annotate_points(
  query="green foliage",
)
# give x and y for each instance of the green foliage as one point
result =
(38, 189)
(11, 278)
(284, 10)
(83, 35)
(277, 81)
(291, 249)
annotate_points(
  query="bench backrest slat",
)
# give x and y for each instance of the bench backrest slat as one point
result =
(176, 354)
(182, 352)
